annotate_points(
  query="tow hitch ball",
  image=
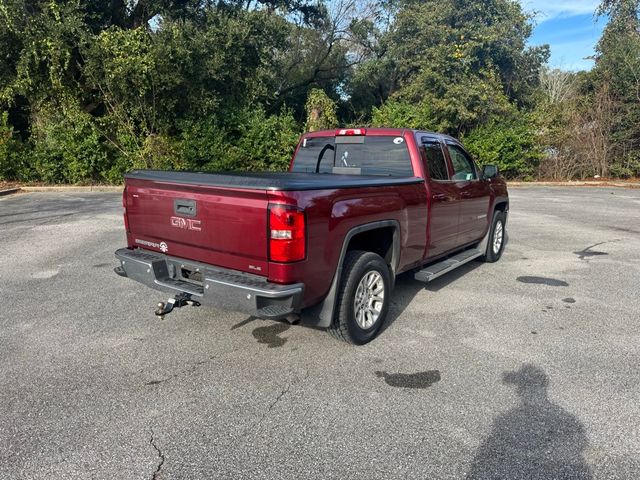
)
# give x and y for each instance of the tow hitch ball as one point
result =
(178, 301)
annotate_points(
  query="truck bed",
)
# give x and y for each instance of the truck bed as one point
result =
(273, 181)
(223, 219)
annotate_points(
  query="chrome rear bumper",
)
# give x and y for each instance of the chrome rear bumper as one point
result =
(215, 286)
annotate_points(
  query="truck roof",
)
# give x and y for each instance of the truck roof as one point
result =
(382, 131)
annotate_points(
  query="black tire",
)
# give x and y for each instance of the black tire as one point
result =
(491, 255)
(357, 265)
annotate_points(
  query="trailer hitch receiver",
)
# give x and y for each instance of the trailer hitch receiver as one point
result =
(180, 300)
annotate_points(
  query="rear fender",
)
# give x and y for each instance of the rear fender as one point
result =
(321, 315)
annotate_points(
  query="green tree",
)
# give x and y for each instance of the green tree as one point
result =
(321, 111)
(90, 89)
(616, 75)
(467, 60)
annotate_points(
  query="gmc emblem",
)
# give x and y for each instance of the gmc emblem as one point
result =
(186, 223)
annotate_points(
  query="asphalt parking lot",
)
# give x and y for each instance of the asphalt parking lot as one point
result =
(527, 368)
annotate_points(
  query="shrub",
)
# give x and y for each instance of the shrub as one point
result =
(400, 114)
(68, 147)
(267, 142)
(628, 166)
(509, 143)
(12, 152)
(250, 140)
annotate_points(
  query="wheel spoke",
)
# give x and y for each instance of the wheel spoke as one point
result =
(498, 237)
(369, 299)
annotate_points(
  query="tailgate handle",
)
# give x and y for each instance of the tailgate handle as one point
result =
(186, 208)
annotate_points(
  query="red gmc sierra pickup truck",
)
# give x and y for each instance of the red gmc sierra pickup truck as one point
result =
(323, 242)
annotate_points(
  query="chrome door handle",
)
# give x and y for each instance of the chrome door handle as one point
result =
(440, 196)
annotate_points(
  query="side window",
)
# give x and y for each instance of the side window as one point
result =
(463, 168)
(436, 162)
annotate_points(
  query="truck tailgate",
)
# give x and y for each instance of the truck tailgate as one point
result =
(219, 226)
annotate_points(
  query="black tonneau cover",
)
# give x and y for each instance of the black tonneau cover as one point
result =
(271, 180)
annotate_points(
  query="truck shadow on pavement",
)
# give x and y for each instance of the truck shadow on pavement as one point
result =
(407, 288)
(270, 334)
(266, 334)
(535, 440)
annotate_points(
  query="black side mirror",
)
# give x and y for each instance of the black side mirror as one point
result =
(489, 171)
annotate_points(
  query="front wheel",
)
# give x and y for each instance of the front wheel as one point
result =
(497, 237)
(363, 298)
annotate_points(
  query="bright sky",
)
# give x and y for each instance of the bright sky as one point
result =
(569, 27)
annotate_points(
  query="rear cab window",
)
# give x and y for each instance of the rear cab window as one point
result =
(385, 155)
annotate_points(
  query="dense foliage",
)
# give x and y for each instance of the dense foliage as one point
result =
(616, 87)
(511, 143)
(90, 89)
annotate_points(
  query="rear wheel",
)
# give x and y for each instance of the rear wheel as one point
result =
(363, 298)
(497, 237)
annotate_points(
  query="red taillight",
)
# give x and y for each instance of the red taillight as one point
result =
(287, 242)
(124, 209)
(348, 132)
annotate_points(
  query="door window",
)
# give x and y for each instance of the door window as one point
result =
(463, 169)
(436, 162)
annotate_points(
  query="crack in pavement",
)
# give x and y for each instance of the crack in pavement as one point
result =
(256, 426)
(160, 456)
(186, 371)
(273, 404)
